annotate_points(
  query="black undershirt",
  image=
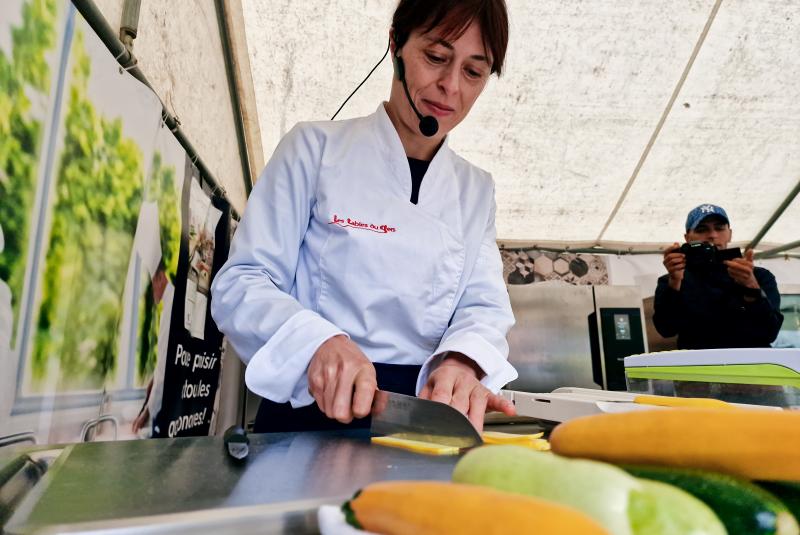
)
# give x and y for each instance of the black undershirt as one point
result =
(418, 169)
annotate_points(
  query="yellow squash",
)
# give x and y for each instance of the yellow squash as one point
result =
(534, 441)
(669, 401)
(434, 507)
(755, 444)
(417, 446)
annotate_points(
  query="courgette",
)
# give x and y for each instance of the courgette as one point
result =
(744, 507)
(663, 509)
(598, 489)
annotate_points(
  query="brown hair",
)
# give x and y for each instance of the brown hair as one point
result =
(454, 17)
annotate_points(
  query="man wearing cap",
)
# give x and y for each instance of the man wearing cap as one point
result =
(727, 304)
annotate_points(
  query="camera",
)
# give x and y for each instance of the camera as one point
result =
(700, 254)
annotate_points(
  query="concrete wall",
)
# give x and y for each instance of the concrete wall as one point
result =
(180, 52)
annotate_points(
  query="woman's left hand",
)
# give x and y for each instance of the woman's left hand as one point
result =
(456, 381)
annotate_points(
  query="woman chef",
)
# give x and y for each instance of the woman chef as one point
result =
(367, 258)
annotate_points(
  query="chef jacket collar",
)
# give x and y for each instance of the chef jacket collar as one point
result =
(392, 147)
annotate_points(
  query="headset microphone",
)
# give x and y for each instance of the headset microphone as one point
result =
(428, 124)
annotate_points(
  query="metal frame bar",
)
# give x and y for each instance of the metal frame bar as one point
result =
(771, 221)
(777, 252)
(129, 24)
(663, 119)
(18, 438)
(770, 253)
(92, 423)
(88, 9)
(581, 250)
(233, 90)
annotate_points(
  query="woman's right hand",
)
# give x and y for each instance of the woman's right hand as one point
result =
(342, 380)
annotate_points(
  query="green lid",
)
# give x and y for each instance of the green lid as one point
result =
(750, 374)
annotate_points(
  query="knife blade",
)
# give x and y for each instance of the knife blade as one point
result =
(413, 418)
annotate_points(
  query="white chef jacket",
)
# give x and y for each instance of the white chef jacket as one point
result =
(330, 244)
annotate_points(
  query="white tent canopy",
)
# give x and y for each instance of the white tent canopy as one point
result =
(611, 121)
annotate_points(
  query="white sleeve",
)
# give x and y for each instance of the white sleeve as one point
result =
(251, 301)
(482, 318)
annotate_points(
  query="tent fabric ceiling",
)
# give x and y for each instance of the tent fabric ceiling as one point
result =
(582, 109)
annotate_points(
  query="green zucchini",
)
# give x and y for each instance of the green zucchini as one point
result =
(744, 507)
(787, 491)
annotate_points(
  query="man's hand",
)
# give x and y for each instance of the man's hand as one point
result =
(342, 379)
(456, 382)
(675, 262)
(741, 270)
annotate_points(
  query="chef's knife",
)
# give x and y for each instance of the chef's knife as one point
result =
(419, 419)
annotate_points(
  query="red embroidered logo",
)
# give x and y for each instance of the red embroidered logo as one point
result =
(347, 222)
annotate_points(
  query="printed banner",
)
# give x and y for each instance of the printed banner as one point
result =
(101, 254)
(194, 355)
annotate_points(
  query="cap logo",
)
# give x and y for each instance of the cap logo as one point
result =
(707, 209)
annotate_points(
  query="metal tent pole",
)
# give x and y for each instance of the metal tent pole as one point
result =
(238, 117)
(784, 205)
(776, 250)
(126, 59)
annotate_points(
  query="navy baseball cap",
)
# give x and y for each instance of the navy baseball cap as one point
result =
(703, 211)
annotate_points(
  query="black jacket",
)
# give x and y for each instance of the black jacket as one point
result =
(709, 311)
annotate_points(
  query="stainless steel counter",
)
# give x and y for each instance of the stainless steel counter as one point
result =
(294, 472)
